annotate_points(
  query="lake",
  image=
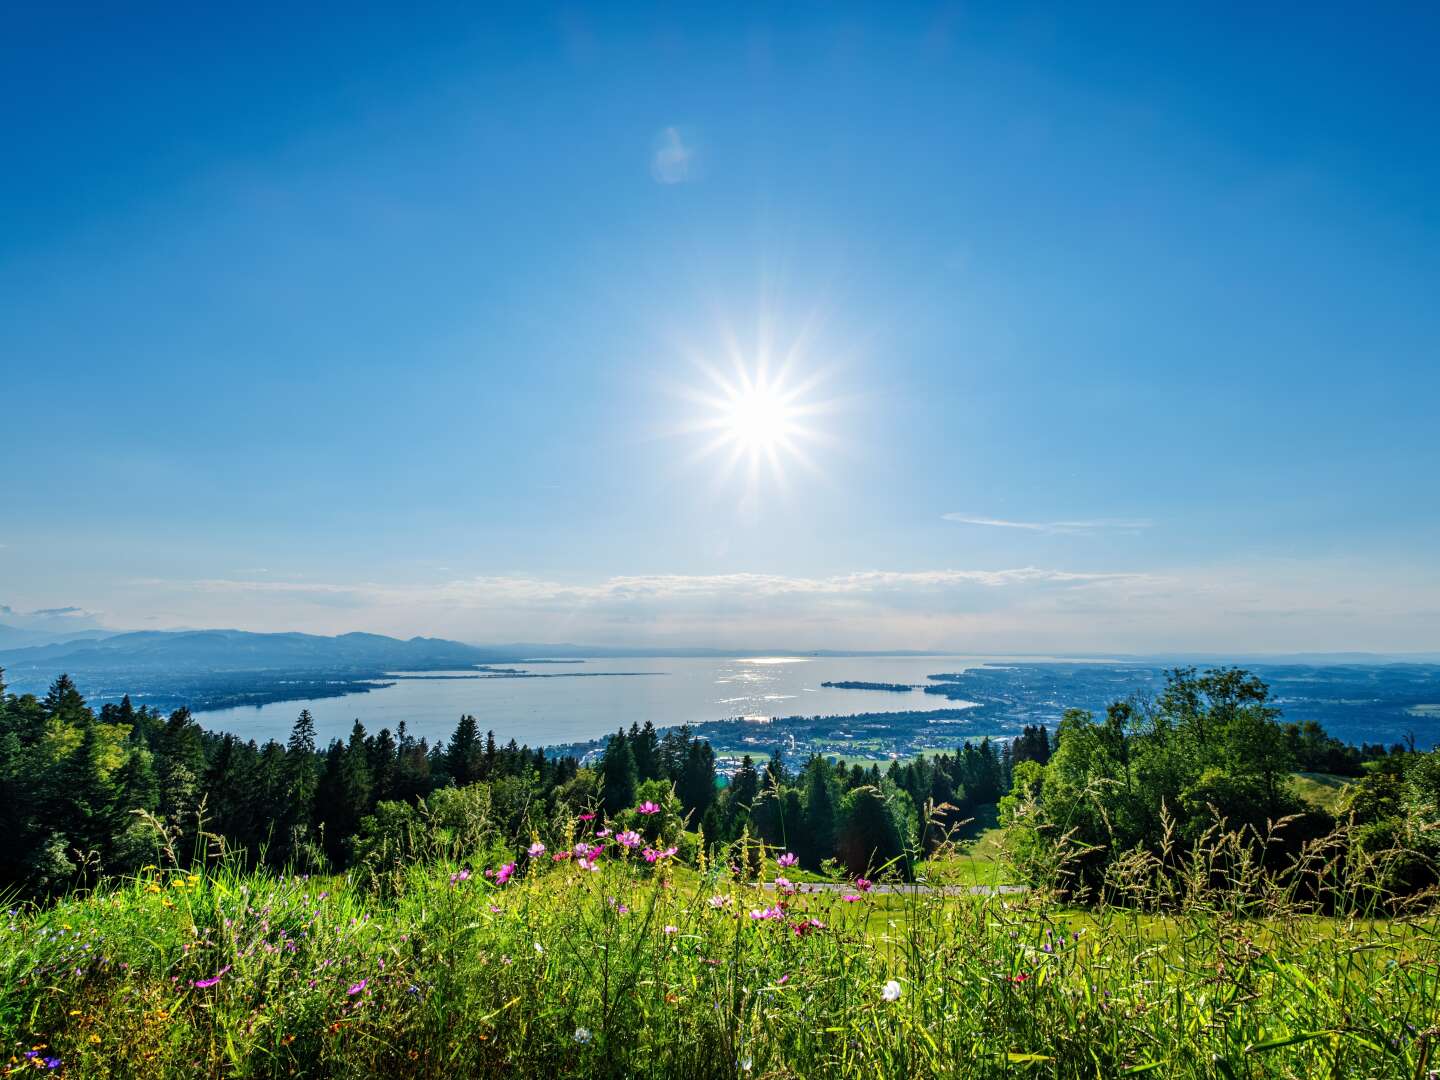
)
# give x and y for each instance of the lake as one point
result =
(574, 702)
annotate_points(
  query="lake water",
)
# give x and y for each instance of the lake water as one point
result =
(589, 700)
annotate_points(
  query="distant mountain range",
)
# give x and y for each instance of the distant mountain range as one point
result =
(191, 651)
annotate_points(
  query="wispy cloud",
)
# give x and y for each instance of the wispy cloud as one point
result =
(673, 161)
(1089, 526)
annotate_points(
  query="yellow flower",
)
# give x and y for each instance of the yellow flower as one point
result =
(74, 1012)
(94, 1039)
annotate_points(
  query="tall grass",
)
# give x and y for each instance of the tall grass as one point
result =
(1212, 967)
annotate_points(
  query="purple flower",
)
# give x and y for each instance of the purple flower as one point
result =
(535, 850)
(630, 838)
(357, 988)
(788, 860)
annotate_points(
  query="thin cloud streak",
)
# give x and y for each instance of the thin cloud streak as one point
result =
(1095, 525)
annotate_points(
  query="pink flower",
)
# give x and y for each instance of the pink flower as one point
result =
(863, 884)
(357, 987)
(784, 885)
(783, 979)
(806, 925)
(535, 850)
(788, 860)
(205, 984)
(504, 874)
(630, 838)
(719, 901)
(588, 864)
(560, 856)
(647, 808)
(850, 898)
(602, 832)
(672, 929)
(587, 817)
(767, 913)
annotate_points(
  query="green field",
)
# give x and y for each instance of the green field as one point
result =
(622, 972)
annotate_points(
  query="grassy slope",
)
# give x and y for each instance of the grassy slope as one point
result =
(469, 979)
(1324, 790)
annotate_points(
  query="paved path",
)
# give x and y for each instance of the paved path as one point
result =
(906, 889)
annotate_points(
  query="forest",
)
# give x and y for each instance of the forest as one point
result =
(88, 794)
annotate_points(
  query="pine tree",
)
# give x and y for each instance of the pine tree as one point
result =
(618, 777)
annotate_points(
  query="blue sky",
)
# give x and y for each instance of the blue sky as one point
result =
(1111, 330)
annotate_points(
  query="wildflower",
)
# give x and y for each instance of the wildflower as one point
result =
(52, 1063)
(504, 873)
(806, 925)
(783, 979)
(719, 901)
(630, 838)
(582, 1034)
(205, 984)
(784, 885)
(588, 864)
(850, 898)
(890, 991)
(746, 1063)
(672, 929)
(788, 860)
(535, 850)
(560, 856)
(864, 884)
(1019, 978)
(356, 988)
(586, 817)
(767, 913)
(602, 832)
(539, 949)
(647, 808)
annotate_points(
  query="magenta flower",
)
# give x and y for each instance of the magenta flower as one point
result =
(355, 989)
(850, 898)
(535, 850)
(205, 984)
(647, 808)
(587, 817)
(784, 885)
(788, 860)
(630, 838)
(767, 913)
(504, 874)
(863, 884)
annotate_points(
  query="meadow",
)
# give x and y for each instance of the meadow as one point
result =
(574, 962)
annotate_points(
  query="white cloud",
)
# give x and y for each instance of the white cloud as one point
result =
(1258, 606)
(1094, 525)
(673, 160)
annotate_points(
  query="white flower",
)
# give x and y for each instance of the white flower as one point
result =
(890, 991)
(582, 1035)
(539, 949)
(746, 1063)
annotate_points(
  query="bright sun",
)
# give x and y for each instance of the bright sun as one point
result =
(758, 424)
(758, 417)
